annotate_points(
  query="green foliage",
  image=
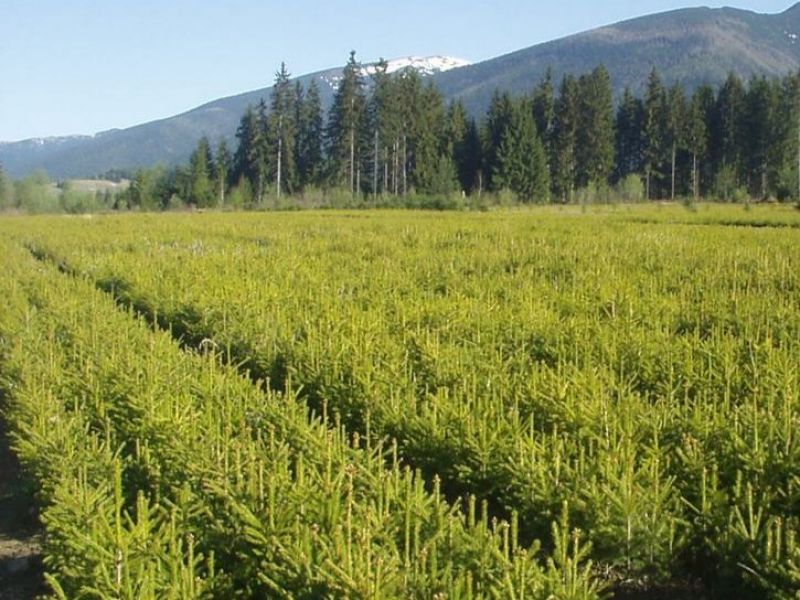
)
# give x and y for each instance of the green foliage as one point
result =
(201, 190)
(626, 361)
(630, 189)
(6, 191)
(166, 474)
(521, 161)
(345, 132)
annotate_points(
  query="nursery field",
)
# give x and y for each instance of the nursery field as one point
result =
(523, 404)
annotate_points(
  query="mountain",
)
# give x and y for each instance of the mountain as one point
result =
(690, 46)
(171, 140)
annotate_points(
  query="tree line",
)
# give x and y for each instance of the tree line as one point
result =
(394, 135)
(390, 137)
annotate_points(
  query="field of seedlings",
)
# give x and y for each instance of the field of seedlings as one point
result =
(524, 404)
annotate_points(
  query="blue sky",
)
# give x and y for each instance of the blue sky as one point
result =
(82, 66)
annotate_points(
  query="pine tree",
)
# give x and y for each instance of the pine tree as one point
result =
(759, 133)
(595, 134)
(248, 162)
(429, 162)
(544, 109)
(675, 131)
(223, 165)
(788, 185)
(201, 188)
(345, 130)
(655, 118)
(565, 136)
(309, 137)
(629, 127)
(281, 132)
(457, 144)
(726, 134)
(701, 112)
(521, 159)
(382, 126)
(498, 120)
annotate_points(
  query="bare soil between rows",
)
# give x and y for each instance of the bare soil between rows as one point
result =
(21, 569)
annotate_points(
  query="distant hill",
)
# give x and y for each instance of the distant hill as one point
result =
(171, 140)
(691, 46)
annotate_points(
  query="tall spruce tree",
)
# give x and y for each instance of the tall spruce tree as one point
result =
(759, 134)
(346, 126)
(595, 134)
(727, 128)
(565, 138)
(281, 133)
(430, 165)
(463, 144)
(629, 127)
(655, 123)
(521, 160)
(310, 137)
(544, 110)
(223, 165)
(675, 132)
(383, 128)
(700, 114)
(201, 187)
(245, 164)
(498, 120)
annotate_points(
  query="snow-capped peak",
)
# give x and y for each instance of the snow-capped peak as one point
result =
(424, 65)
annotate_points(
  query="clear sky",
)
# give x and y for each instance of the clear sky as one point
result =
(83, 66)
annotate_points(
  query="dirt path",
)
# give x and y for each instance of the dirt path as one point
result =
(20, 555)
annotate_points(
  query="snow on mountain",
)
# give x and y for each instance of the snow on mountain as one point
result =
(424, 65)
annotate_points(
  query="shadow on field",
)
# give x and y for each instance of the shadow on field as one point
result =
(20, 552)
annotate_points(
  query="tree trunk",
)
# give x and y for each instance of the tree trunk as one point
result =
(375, 170)
(280, 160)
(672, 191)
(405, 165)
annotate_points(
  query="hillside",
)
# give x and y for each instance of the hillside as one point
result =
(691, 46)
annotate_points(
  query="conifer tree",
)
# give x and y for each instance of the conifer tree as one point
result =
(595, 134)
(382, 126)
(498, 120)
(565, 137)
(429, 164)
(281, 132)
(760, 133)
(309, 136)
(701, 112)
(250, 159)
(521, 160)
(655, 118)
(675, 131)
(629, 146)
(345, 130)
(243, 167)
(223, 165)
(544, 110)
(727, 134)
(201, 188)
(457, 144)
